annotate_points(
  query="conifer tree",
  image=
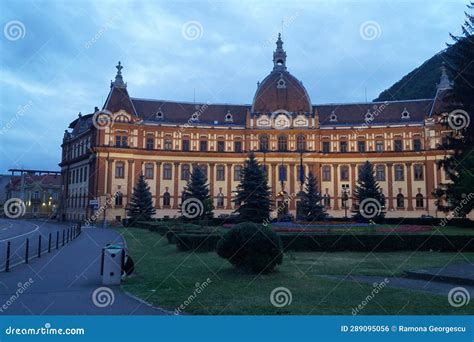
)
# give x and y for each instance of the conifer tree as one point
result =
(141, 204)
(253, 194)
(312, 209)
(196, 200)
(369, 198)
(459, 165)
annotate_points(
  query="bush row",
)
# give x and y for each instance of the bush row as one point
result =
(346, 242)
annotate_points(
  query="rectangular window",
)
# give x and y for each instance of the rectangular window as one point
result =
(149, 171)
(418, 172)
(326, 147)
(150, 143)
(185, 172)
(380, 173)
(220, 173)
(361, 146)
(185, 146)
(417, 144)
(379, 146)
(398, 145)
(121, 141)
(399, 173)
(119, 170)
(344, 173)
(326, 173)
(221, 146)
(203, 146)
(167, 171)
(343, 146)
(237, 173)
(238, 146)
(168, 144)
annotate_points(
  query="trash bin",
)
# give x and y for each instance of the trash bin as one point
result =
(112, 264)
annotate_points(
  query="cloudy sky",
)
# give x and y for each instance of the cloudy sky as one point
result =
(58, 57)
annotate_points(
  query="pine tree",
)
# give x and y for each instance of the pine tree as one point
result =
(253, 194)
(370, 199)
(459, 165)
(196, 200)
(141, 205)
(311, 207)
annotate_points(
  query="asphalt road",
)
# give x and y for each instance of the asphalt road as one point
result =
(66, 281)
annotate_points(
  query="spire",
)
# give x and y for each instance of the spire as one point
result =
(118, 78)
(444, 82)
(279, 56)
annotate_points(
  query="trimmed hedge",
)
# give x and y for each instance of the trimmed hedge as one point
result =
(336, 243)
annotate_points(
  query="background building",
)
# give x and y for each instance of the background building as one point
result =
(105, 151)
(39, 190)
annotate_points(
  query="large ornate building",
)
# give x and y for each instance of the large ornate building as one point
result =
(104, 152)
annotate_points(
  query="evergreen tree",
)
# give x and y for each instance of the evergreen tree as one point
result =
(370, 200)
(196, 198)
(459, 165)
(253, 193)
(311, 207)
(141, 205)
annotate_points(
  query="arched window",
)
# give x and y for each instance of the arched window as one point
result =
(300, 143)
(118, 199)
(282, 143)
(264, 143)
(166, 199)
(400, 201)
(419, 201)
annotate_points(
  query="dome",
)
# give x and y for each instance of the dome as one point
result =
(280, 89)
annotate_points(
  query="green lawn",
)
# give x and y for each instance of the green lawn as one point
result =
(166, 277)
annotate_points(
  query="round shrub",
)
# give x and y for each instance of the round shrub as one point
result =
(252, 247)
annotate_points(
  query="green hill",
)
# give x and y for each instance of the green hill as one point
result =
(419, 83)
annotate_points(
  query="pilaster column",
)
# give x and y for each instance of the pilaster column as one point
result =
(109, 175)
(229, 186)
(389, 198)
(336, 186)
(429, 181)
(158, 186)
(211, 180)
(175, 183)
(291, 176)
(409, 187)
(274, 178)
(129, 180)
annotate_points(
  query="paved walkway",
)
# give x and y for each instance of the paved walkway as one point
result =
(63, 283)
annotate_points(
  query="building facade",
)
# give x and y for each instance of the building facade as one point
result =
(104, 152)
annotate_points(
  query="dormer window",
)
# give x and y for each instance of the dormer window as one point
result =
(405, 114)
(333, 117)
(159, 115)
(228, 117)
(281, 84)
(369, 117)
(195, 116)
